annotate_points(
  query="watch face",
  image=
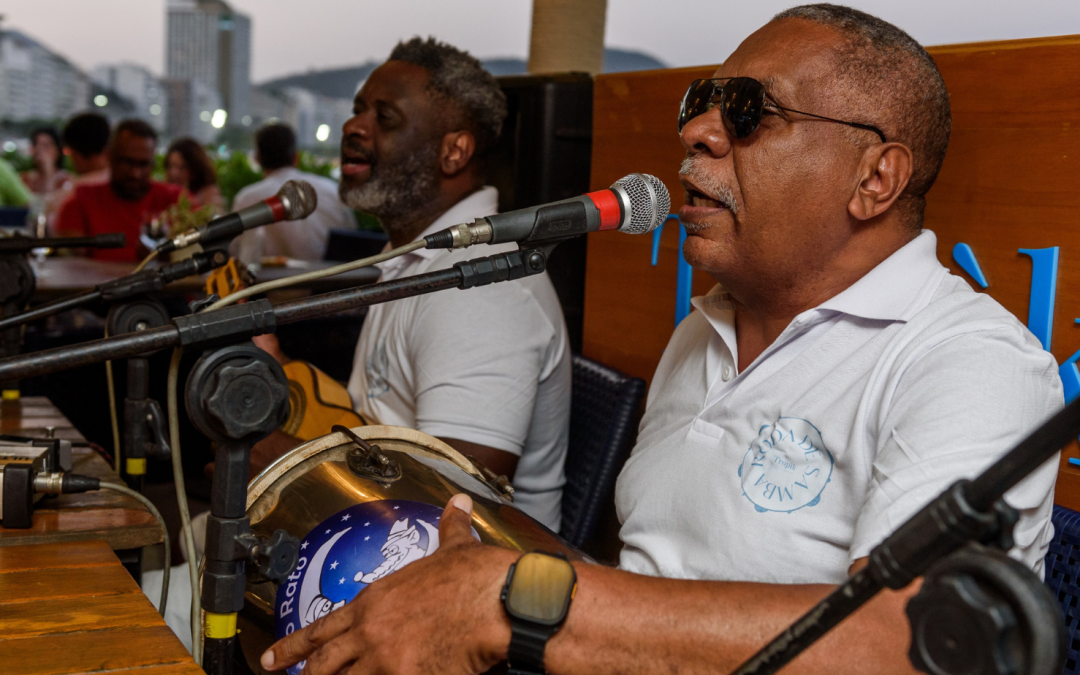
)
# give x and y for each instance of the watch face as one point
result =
(541, 588)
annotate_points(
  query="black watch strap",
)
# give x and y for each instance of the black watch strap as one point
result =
(527, 642)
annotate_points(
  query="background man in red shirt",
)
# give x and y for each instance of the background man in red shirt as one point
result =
(127, 201)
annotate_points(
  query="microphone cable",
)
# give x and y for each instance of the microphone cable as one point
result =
(146, 261)
(188, 536)
(317, 274)
(164, 537)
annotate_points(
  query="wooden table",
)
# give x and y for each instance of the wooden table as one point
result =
(118, 520)
(72, 608)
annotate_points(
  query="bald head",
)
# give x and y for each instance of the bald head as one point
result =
(890, 76)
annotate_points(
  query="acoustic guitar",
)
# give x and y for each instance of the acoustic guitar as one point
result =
(317, 401)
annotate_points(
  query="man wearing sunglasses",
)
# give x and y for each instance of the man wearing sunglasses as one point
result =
(838, 379)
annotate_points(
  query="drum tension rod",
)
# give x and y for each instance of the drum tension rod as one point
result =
(368, 460)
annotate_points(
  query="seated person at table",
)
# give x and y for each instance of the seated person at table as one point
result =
(486, 370)
(48, 179)
(188, 165)
(129, 200)
(836, 380)
(275, 148)
(86, 138)
(48, 174)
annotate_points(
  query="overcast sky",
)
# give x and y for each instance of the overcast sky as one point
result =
(296, 35)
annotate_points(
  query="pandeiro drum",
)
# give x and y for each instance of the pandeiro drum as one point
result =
(364, 503)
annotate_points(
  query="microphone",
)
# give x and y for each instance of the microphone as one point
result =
(295, 200)
(635, 204)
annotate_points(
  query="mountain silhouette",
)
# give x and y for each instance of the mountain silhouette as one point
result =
(343, 82)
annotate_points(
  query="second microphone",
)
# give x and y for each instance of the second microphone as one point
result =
(294, 201)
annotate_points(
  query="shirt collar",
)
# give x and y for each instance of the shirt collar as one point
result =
(483, 202)
(898, 288)
(895, 290)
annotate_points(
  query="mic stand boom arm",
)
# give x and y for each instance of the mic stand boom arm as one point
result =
(238, 322)
(966, 511)
(125, 287)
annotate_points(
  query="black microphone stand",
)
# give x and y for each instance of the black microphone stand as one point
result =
(968, 511)
(18, 282)
(139, 283)
(145, 432)
(236, 396)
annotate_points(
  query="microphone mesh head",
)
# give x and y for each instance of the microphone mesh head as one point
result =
(649, 202)
(299, 199)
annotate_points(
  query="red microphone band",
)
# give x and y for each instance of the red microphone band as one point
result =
(277, 207)
(611, 215)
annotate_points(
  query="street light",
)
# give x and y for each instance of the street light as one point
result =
(101, 100)
(323, 132)
(218, 120)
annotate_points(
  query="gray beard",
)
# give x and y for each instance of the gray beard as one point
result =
(397, 189)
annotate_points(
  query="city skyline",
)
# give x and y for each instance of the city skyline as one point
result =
(334, 33)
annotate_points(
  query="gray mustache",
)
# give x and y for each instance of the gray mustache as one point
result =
(693, 168)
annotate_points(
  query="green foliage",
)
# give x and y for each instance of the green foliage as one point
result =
(312, 164)
(234, 174)
(18, 161)
(236, 139)
(366, 221)
(183, 216)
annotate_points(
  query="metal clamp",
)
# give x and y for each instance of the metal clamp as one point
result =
(368, 460)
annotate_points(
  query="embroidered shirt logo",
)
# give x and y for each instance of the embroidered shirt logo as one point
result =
(377, 370)
(786, 467)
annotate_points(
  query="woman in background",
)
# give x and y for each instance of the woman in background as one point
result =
(47, 180)
(188, 165)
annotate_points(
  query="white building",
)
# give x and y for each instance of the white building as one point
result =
(316, 119)
(139, 86)
(208, 42)
(191, 109)
(37, 83)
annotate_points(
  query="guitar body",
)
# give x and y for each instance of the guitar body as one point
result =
(316, 400)
(316, 403)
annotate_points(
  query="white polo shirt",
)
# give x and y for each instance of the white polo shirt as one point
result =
(862, 411)
(488, 365)
(298, 239)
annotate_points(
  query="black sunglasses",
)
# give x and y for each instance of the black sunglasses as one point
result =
(742, 102)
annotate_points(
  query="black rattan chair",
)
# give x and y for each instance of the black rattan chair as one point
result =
(603, 414)
(1062, 575)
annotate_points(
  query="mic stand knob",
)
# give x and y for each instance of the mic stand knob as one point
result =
(980, 612)
(273, 559)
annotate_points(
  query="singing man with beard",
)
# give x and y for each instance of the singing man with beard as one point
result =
(487, 370)
(835, 380)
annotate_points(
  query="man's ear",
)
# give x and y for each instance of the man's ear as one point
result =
(456, 151)
(884, 173)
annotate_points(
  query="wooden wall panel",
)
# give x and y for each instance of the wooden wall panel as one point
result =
(1011, 180)
(629, 304)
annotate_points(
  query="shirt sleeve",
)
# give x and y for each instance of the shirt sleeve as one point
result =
(248, 246)
(71, 218)
(956, 409)
(13, 192)
(479, 357)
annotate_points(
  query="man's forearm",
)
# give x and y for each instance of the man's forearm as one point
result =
(627, 623)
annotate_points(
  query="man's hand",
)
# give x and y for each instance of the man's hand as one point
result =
(440, 614)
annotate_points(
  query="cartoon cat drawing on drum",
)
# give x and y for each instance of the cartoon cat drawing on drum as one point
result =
(404, 544)
(401, 548)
